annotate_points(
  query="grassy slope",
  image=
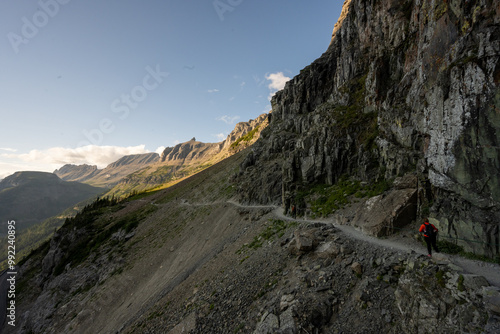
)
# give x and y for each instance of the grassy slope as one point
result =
(40, 196)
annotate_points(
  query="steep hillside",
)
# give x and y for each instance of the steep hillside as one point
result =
(109, 176)
(189, 259)
(185, 159)
(30, 197)
(405, 88)
(77, 173)
(33, 236)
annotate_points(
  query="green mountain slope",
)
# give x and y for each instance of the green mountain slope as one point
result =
(30, 197)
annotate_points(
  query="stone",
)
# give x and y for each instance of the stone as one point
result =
(386, 214)
(268, 324)
(185, 326)
(474, 282)
(357, 268)
(491, 297)
(327, 250)
(409, 181)
(287, 323)
(286, 301)
(304, 241)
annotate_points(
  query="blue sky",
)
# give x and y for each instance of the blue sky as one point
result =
(90, 81)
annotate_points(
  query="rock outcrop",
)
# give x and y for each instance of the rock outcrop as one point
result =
(404, 87)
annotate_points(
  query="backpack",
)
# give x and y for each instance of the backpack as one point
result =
(429, 230)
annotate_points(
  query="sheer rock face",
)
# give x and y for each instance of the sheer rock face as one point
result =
(405, 86)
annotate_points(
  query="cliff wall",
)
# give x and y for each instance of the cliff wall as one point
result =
(405, 87)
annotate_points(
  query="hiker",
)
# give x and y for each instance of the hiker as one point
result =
(294, 211)
(430, 232)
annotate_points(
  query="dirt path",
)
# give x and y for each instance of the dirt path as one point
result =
(490, 271)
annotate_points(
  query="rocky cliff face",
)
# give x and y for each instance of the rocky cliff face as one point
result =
(405, 87)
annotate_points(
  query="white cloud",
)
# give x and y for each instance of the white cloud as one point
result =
(212, 91)
(90, 154)
(220, 136)
(228, 119)
(278, 81)
(160, 150)
(7, 149)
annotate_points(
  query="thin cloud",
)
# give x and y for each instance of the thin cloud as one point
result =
(90, 154)
(220, 136)
(212, 91)
(7, 149)
(228, 119)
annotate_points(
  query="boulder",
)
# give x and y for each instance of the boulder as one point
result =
(357, 268)
(327, 250)
(385, 214)
(491, 298)
(268, 324)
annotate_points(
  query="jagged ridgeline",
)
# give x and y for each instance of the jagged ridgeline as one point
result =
(406, 89)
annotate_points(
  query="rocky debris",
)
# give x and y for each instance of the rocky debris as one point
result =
(405, 87)
(341, 285)
(310, 278)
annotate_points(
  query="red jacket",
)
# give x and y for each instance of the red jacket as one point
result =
(422, 228)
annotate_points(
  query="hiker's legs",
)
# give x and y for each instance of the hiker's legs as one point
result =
(428, 242)
(434, 244)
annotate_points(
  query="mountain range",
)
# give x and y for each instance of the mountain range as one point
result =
(108, 176)
(148, 171)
